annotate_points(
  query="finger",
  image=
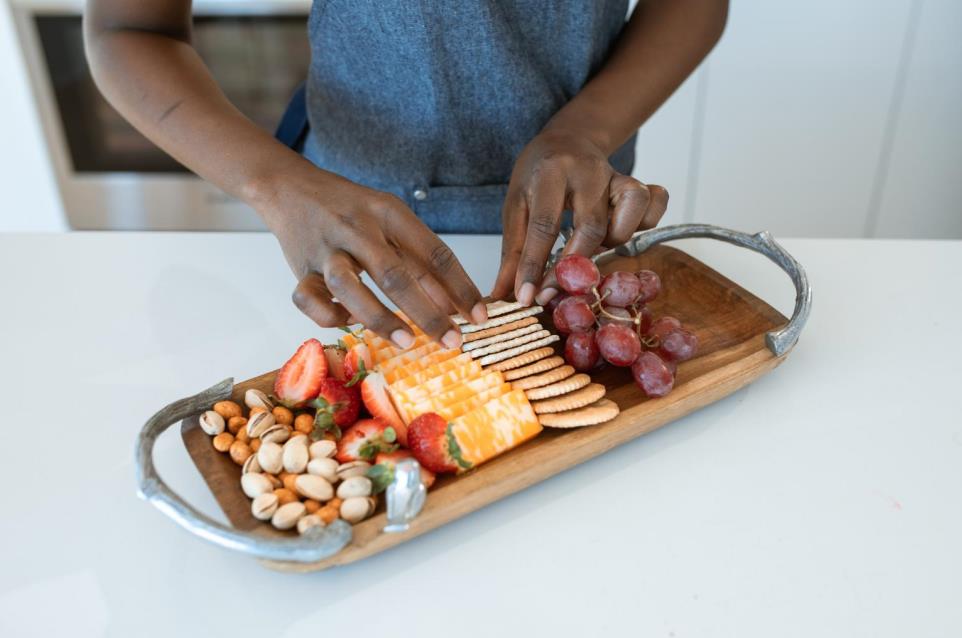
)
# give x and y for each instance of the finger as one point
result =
(546, 201)
(629, 201)
(342, 279)
(656, 207)
(312, 297)
(399, 281)
(514, 221)
(444, 278)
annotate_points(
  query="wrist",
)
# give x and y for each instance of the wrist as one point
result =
(583, 125)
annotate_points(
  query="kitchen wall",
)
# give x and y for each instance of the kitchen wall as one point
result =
(823, 118)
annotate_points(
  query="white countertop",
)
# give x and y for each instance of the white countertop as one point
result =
(823, 500)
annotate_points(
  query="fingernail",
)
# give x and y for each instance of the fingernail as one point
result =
(546, 295)
(451, 339)
(402, 339)
(479, 314)
(526, 293)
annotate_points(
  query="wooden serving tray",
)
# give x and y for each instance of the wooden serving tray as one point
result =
(730, 323)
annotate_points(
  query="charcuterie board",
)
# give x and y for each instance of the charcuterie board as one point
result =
(734, 328)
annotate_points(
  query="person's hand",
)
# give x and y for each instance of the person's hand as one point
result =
(331, 230)
(559, 171)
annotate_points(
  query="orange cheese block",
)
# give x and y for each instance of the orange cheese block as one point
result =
(384, 350)
(350, 340)
(453, 411)
(419, 377)
(409, 397)
(458, 393)
(407, 356)
(413, 367)
(498, 425)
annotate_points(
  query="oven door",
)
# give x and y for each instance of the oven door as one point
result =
(111, 176)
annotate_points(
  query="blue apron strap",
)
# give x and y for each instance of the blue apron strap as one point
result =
(292, 128)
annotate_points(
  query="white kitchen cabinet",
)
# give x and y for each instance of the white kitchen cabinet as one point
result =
(921, 194)
(797, 99)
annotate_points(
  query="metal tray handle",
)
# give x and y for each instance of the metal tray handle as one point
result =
(778, 341)
(316, 546)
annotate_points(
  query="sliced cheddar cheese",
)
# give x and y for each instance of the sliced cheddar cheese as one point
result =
(453, 411)
(434, 385)
(457, 394)
(399, 372)
(498, 425)
(407, 356)
(419, 377)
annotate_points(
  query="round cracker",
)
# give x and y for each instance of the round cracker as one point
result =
(522, 359)
(545, 378)
(471, 337)
(571, 401)
(537, 367)
(572, 383)
(517, 351)
(601, 411)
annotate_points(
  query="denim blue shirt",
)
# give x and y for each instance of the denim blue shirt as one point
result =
(434, 100)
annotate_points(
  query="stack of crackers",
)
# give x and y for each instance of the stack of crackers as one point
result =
(514, 342)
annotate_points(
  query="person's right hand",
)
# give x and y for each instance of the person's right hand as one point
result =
(332, 229)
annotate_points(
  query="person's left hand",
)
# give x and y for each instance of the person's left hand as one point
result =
(558, 171)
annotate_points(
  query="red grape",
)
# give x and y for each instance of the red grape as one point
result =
(650, 285)
(577, 274)
(618, 312)
(581, 351)
(573, 314)
(672, 367)
(678, 345)
(619, 289)
(644, 313)
(553, 302)
(618, 344)
(663, 326)
(652, 375)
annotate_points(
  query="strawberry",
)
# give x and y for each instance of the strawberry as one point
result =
(335, 362)
(364, 440)
(299, 380)
(357, 363)
(433, 445)
(382, 472)
(378, 402)
(337, 407)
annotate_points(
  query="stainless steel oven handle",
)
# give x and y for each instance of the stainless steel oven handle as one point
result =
(778, 341)
(318, 545)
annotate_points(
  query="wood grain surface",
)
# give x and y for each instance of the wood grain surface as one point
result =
(730, 323)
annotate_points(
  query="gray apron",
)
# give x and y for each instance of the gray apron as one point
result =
(433, 101)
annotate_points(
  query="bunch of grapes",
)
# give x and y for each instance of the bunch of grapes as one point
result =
(608, 320)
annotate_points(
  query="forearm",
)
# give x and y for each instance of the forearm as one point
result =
(159, 83)
(663, 42)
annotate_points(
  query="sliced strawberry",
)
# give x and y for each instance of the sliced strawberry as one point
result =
(357, 363)
(299, 380)
(337, 407)
(433, 445)
(378, 402)
(382, 473)
(335, 362)
(364, 440)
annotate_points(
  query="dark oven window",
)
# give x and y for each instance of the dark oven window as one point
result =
(258, 61)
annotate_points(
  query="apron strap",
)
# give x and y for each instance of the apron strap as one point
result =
(293, 127)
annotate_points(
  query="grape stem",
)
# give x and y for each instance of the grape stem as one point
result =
(596, 306)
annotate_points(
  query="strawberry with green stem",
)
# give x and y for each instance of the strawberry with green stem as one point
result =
(364, 440)
(337, 407)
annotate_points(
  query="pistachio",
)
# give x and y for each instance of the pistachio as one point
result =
(270, 458)
(314, 487)
(255, 484)
(251, 465)
(295, 455)
(257, 399)
(323, 449)
(357, 508)
(276, 434)
(354, 468)
(264, 506)
(323, 467)
(258, 424)
(287, 515)
(211, 423)
(309, 522)
(355, 486)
